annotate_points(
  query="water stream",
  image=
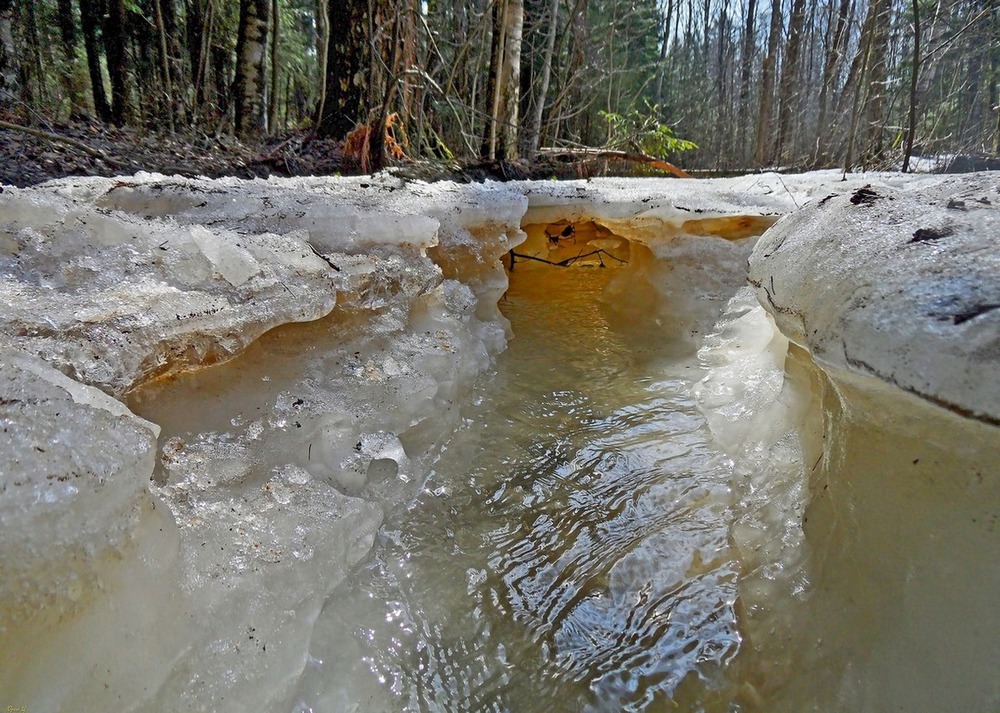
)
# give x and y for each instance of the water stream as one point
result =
(569, 549)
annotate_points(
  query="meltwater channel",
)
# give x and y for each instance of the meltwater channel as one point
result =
(569, 550)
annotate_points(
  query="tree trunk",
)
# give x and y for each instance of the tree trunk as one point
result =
(196, 14)
(500, 138)
(877, 75)
(661, 68)
(222, 70)
(164, 57)
(322, 14)
(831, 65)
(67, 43)
(973, 101)
(251, 46)
(911, 124)
(272, 105)
(33, 73)
(179, 78)
(995, 84)
(764, 154)
(10, 89)
(118, 67)
(746, 59)
(789, 74)
(346, 68)
(856, 79)
(533, 126)
(90, 14)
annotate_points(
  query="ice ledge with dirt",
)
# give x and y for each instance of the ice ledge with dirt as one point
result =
(896, 283)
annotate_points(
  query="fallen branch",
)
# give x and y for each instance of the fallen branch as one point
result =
(89, 150)
(588, 153)
(568, 261)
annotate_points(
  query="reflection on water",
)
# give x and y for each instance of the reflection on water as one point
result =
(569, 552)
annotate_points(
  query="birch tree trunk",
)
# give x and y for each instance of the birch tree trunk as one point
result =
(500, 140)
(322, 15)
(251, 45)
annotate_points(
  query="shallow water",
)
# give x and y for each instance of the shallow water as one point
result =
(569, 550)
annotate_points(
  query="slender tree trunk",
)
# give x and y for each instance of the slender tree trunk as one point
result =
(877, 76)
(747, 52)
(973, 124)
(179, 78)
(533, 127)
(195, 13)
(834, 55)
(911, 128)
(789, 75)
(857, 78)
(500, 139)
(995, 83)
(90, 13)
(251, 46)
(347, 66)
(67, 43)
(493, 81)
(118, 67)
(115, 40)
(161, 30)
(661, 69)
(10, 88)
(222, 72)
(322, 14)
(32, 65)
(272, 106)
(764, 154)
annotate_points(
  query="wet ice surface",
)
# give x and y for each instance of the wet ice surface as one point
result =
(569, 551)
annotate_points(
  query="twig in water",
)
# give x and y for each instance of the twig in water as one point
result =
(570, 260)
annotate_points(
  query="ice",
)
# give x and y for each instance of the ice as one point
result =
(194, 584)
(909, 291)
(860, 410)
(66, 503)
(305, 348)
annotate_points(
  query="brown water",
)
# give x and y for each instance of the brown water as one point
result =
(569, 550)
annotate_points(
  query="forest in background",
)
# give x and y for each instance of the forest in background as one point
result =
(731, 85)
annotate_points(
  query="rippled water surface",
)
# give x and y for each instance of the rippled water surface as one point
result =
(568, 553)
